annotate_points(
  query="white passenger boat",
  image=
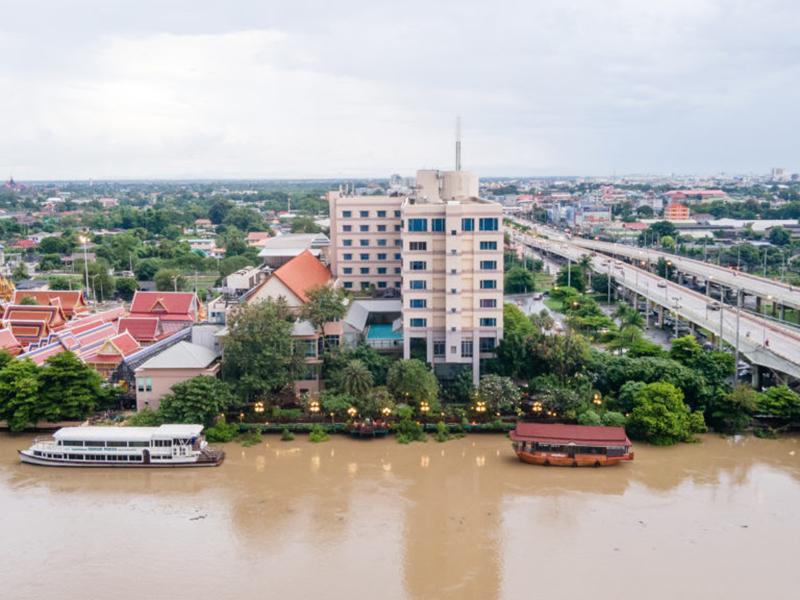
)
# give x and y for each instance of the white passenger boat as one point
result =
(164, 446)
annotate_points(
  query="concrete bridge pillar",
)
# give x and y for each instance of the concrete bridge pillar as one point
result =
(758, 304)
(679, 275)
(660, 321)
(782, 312)
(647, 313)
(755, 380)
(708, 287)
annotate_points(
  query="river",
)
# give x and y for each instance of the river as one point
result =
(374, 519)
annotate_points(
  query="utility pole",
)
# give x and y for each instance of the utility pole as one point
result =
(608, 300)
(721, 322)
(765, 262)
(736, 352)
(569, 272)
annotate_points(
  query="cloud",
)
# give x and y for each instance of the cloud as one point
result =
(346, 89)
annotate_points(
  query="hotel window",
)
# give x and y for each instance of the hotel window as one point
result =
(488, 265)
(489, 322)
(418, 303)
(466, 348)
(487, 224)
(348, 285)
(364, 242)
(398, 242)
(488, 245)
(148, 386)
(488, 303)
(488, 284)
(382, 256)
(381, 242)
(417, 322)
(437, 224)
(363, 228)
(139, 388)
(397, 284)
(397, 213)
(363, 213)
(397, 256)
(381, 214)
(364, 270)
(347, 256)
(365, 285)
(347, 242)
(438, 348)
(398, 227)
(418, 224)
(346, 214)
(381, 270)
(347, 228)
(417, 265)
(418, 284)
(364, 256)
(348, 270)
(488, 344)
(467, 224)
(417, 246)
(381, 284)
(397, 270)
(381, 228)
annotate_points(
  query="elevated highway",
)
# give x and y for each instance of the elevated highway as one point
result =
(761, 342)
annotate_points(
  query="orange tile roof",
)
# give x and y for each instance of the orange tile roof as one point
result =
(303, 273)
(9, 343)
(72, 301)
(169, 306)
(50, 314)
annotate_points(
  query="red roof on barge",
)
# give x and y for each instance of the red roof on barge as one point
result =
(580, 435)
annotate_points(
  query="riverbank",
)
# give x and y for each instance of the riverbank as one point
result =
(463, 519)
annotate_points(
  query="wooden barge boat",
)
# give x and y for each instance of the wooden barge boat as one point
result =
(552, 444)
(164, 446)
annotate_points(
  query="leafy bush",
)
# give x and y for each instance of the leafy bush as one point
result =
(145, 418)
(589, 417)
(251, 438)
(409, 431)
(286, 435)
(442, 432)
(222, 431)
(660, 415)
(697, 423)
(318, 434)
(614, 419)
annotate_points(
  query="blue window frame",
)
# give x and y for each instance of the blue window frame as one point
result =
(363, 213)
(418, 224)
(488, 224)
(488, 245)
(381, 214)
(488, 265)
(488, 303)
(364, 270)
(417, 265)
(488, 284)
(418, 284)
(364, 256)
(397, 256)
(397, 270)
(381, 270)
(347, 242)
(437, 224)
(467, 224)
(347, 257)
(347, 228)
(347, 213)
(398, 243)
(489, 322)
(418, 303)
(397, 213)
(382, 256)
(348, 285)
(417, 322)
(381, 228)
(363, 228)
(381, 242)
(348, 270)
(398, 227)
(381, 284)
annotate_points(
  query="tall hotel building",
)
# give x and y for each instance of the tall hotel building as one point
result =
(442, 246)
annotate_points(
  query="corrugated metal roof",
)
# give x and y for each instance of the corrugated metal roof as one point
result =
(183, 355)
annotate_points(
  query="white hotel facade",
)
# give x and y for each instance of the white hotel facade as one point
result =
(442, 247)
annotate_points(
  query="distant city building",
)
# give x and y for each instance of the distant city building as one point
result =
(778, 174)
(676, 212)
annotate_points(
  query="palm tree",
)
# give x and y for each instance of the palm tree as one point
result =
(356, 379)
(625, 338)
(628, 316)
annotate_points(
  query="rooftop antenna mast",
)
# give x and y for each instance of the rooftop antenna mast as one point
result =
(458, 143)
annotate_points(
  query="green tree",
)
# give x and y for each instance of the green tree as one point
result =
(519, 280)
(29, 301)
(70, 389)
(779, 236)
(101, 283)
(259, 356)
(501, 394)
(126, 287)
(336, 404)
(19, 394)
(337, 357)
(780, 401)
(325, 304)
(356, 379)
(660, 415)
(197, 400)
(572, 276)
(169, 280)
(732, 412)
(515, 322)
(412, 381)
(146, 269)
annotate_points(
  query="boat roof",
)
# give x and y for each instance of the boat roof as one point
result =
(126, 434)
(579, 435)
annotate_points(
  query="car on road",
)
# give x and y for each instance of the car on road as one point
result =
(662, 284)
(538, 296)
(714, 305)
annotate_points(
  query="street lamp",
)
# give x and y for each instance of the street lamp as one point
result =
(386, 411)
(424, 407)
(352, 411)
(597, 400)
(258, 407)
(313, 407)
(83, 240)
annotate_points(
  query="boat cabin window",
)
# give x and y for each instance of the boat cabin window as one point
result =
(162, 443)
(139, 444)
(72, 443)
(117, 444)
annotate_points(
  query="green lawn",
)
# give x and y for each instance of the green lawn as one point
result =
(553, 304)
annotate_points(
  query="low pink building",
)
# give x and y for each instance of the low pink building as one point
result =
(184, 360)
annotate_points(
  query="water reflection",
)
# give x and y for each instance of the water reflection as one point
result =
(460, 520)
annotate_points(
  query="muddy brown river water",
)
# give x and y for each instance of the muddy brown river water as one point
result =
(463, 519)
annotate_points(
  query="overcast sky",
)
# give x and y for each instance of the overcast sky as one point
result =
(345, 88)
